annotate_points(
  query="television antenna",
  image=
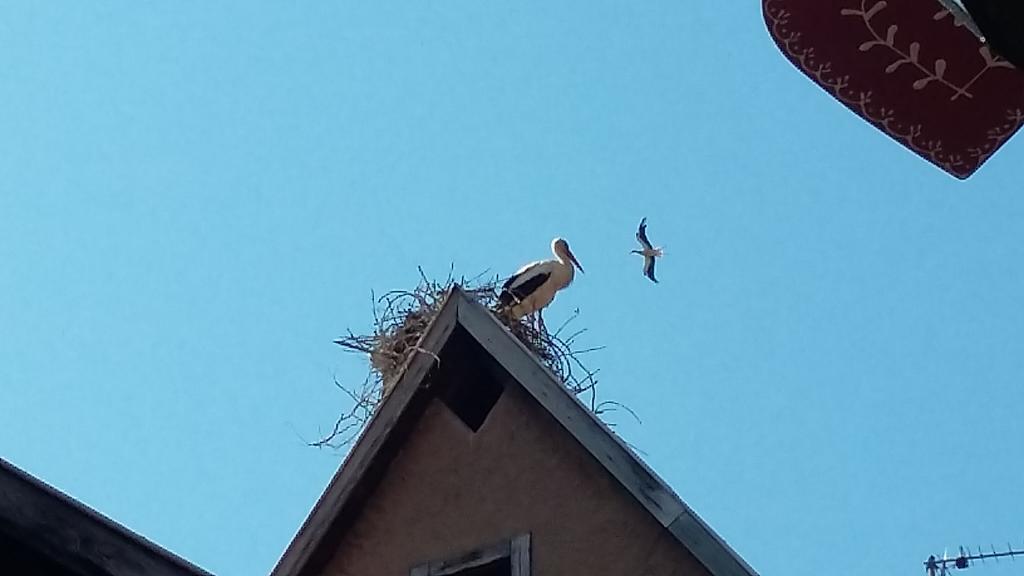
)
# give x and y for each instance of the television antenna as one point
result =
(940, 566)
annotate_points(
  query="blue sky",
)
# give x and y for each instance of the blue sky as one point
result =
(196, 199)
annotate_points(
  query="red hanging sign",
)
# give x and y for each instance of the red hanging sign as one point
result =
(908, 68)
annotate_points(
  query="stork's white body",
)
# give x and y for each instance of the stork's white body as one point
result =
(560, 275)
(534, 286)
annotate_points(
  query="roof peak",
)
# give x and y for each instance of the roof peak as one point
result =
(384, 431)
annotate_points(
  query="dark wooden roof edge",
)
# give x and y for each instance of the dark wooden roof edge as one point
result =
(653, 493)
(331, 503)
(74, 534)
(620, 461)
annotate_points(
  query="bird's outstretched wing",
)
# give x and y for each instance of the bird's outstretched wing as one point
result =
(649, 268)
(641, 234)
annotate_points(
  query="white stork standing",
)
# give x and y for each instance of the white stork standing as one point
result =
(650, 253)
(533, 286)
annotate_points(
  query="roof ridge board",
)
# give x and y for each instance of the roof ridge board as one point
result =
(690, 529)
(568, 409)
(657, 497)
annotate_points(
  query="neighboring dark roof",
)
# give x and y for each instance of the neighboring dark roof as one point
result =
(379, 442)
(48, 527)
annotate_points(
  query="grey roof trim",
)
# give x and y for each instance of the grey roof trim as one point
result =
(298, 558)
(607, 448)
(74, 534)
(643, 483)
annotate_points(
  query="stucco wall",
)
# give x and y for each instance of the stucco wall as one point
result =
(451, 490)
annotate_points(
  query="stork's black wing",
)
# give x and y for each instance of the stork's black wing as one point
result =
(649, 268)
(521, 285)
(641, 234)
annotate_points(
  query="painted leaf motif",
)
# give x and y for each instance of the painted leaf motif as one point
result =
(881, 4)
(892, 67)
(986, 54)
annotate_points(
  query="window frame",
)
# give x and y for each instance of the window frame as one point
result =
(516, 549)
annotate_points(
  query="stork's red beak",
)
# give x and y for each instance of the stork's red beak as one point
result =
(572, 259)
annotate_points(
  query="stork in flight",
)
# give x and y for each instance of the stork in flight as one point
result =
(650, 253)
(533, 286)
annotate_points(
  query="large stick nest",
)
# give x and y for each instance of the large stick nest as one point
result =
(400, 319)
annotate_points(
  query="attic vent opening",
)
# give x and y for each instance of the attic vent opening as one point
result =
(469, 380)
(471, 399)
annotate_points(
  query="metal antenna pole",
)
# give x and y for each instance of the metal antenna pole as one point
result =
(940, 567)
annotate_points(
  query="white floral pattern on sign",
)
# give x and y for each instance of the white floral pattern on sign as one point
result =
(936, 72)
